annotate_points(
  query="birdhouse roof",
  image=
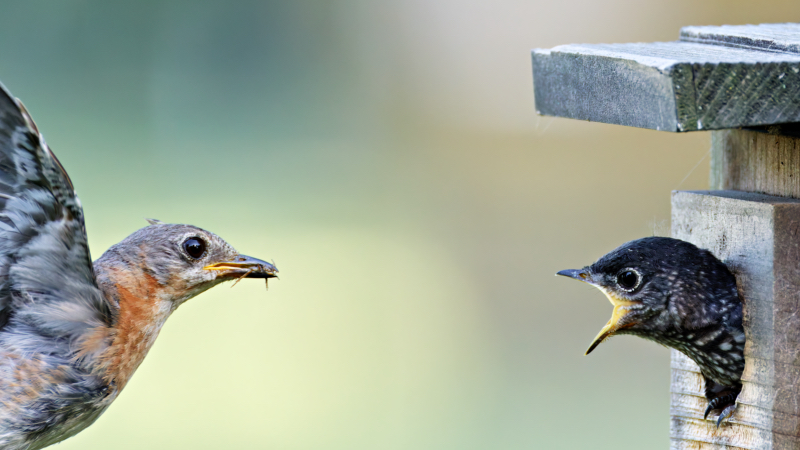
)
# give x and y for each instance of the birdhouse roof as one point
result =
(713, 77)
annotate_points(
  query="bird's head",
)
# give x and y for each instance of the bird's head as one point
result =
(181, 261)
(655, 284)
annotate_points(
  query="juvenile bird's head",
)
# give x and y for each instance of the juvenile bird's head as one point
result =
(177, 262)
(662, 289)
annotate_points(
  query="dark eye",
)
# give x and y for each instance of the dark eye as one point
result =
(195, 247)
(628, 279)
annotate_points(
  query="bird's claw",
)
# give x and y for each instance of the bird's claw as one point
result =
(725, 414)
(709, 408)
(726, 402)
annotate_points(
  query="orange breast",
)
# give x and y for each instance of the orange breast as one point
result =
(141, 315)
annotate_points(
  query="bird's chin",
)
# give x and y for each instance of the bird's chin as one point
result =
(619, 320)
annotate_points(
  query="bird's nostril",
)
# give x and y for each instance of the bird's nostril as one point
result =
(242, 259)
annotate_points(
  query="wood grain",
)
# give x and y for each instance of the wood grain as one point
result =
(754, 161)
(713, 78)
(769, 37)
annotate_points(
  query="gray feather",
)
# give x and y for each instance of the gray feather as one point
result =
(48, 293)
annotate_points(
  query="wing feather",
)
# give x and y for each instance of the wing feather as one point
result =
(48, 288)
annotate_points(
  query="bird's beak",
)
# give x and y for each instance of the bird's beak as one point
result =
(246, 266)
(621, 307)
(578, 274)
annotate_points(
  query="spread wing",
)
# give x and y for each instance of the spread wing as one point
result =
(47, 283)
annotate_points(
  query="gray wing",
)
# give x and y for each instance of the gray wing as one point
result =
(47, 283)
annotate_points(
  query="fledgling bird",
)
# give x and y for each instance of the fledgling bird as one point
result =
(680, 296)
(72, 333)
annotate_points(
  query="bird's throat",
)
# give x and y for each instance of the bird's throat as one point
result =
(141, 312)
(615, 323)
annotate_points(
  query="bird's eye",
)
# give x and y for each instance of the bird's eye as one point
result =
(628, 279)
(195, 247)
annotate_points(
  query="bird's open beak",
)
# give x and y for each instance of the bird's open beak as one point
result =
(246, 266)
(621, 307)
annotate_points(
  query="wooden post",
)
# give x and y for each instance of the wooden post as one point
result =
(717, 78)
(762, 161)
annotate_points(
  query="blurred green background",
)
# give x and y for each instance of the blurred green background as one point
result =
(388, 157)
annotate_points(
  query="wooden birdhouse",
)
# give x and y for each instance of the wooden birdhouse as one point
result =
(742, 83)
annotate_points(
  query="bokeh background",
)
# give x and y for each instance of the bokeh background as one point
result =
(387, 156)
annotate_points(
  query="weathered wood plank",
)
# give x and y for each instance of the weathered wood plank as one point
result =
(773, 37)
(752, 161)
(713, 78)
(758, 237)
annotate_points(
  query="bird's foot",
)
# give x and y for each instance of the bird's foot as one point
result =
(727, 403)
(721, 397)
